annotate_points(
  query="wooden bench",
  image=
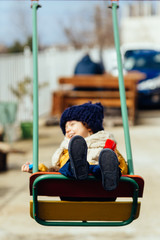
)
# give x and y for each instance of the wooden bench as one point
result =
(106, 91)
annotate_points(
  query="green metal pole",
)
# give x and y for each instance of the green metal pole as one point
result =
(122, 90)
(35, 89)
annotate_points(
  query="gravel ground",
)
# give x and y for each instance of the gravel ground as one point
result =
(15, 222)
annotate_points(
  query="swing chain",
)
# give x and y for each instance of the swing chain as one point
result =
(38, 6)
(112, 2)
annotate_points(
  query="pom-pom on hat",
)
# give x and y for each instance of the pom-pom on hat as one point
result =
(92, 114)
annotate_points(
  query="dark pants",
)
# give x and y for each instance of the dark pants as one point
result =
(93, 169)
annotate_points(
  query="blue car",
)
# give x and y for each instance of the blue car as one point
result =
(146, 61)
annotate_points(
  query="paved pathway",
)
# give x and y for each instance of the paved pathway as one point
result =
(16, 224)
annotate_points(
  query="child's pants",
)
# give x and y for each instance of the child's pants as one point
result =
(93, 169)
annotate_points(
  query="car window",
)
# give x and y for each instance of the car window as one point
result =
(142, 60)
(156, 58)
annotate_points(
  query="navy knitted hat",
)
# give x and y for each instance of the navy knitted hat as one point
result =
(92, 114)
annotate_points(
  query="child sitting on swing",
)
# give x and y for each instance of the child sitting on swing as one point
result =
(86, 147)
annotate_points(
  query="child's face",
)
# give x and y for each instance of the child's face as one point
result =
(74, 128)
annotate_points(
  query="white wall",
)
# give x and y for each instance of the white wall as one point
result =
(140, 22)
(140, 29)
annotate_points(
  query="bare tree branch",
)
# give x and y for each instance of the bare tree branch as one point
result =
(94, 29)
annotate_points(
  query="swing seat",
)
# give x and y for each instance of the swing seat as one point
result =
(69, 202)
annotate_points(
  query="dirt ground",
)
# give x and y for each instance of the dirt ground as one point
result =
(15, 221)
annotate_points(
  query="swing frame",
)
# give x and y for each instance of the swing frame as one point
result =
(73, 213)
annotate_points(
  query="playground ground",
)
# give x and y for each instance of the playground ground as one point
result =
(15, 222)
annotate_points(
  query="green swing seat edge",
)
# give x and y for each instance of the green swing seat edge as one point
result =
(54, 184)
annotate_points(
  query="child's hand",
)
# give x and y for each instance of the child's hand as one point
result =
(25, 167)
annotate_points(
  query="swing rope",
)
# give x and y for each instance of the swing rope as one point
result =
(122, 89)
(35, 6)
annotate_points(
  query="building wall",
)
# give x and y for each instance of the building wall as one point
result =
(140, 22)
(140, 29)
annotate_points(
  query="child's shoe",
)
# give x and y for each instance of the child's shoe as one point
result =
(110, 171)
(78, 157)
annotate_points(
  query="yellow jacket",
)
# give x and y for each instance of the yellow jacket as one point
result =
(122, 163)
